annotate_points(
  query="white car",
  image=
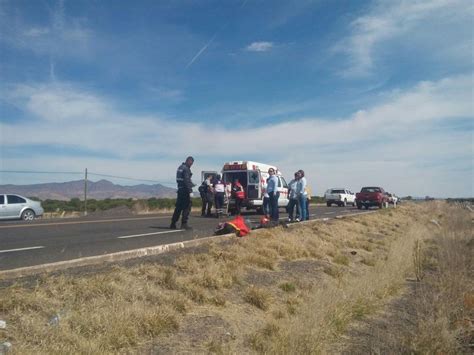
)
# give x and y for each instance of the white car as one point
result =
(392, 198)
(340, 197)
(16, 206)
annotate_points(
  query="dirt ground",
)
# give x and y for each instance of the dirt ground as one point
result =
(337, 286)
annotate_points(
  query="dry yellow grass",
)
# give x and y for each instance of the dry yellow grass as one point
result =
(279, 291)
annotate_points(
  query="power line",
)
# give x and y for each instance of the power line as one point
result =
(40, 172)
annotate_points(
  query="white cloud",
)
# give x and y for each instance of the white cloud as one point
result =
(62, 37)
(388, 144)
(167, 94)
(409, 21)
(259, 47)
(36, 32)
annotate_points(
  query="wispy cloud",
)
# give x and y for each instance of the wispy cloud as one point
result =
(167, 94)
(259, 47)
(36, 32)
(61, 37)
(201, 51)
(405, 122)
(390, 20)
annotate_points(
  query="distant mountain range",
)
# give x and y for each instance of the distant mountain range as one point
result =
(99, 190)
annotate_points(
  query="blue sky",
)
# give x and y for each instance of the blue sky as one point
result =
(354, 92)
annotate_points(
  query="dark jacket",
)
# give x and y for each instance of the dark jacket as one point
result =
(183, 178)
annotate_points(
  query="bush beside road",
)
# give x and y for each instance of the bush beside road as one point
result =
(75, 206)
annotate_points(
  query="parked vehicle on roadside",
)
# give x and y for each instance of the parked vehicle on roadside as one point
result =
(18, 207)
(371, 196)
(392, 198)
(340, 197)
(253, 176)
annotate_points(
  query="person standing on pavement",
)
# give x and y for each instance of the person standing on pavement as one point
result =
(207, 198)
(309, 192)
(266, 201)
(185, 189)
(302, 194)
(209, 195)
(202, 192)
(293, 197)
(272, 190)
(219, 192)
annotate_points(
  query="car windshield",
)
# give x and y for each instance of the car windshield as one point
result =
(338, 191)
(370, 189)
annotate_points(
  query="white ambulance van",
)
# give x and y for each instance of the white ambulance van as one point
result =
(253, 177)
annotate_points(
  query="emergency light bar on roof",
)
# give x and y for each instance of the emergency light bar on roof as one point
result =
(248, 165)
(235, 166)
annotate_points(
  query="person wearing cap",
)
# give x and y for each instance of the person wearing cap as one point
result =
(185, 189)
(272, 190)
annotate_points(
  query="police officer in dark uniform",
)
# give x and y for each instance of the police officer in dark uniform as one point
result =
(185, 188)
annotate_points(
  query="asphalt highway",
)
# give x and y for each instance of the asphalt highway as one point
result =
(46, 241)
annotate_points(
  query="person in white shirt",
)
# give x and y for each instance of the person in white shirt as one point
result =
(219, 192)
(293, 197)
(302, 194)
(272, 190)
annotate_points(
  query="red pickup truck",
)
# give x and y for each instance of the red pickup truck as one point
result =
(371, 196)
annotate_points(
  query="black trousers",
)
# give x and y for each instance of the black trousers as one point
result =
(183, 204)
(291, 208)
(238, 205)
(219, 196)
(204, 204)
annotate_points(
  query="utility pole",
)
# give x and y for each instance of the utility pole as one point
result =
(85, 194)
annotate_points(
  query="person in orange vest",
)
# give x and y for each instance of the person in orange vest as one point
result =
(239, 195)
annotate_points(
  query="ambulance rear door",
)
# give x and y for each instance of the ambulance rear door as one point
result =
(206, 173)
(253, 185)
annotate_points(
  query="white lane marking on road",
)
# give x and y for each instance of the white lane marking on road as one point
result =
(20, 249)
(146, 234)
(80, 222)
(329, 212)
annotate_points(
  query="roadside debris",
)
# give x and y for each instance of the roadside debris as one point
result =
(3, 324)
(54, 321)
(435, 222)
(5, 347)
